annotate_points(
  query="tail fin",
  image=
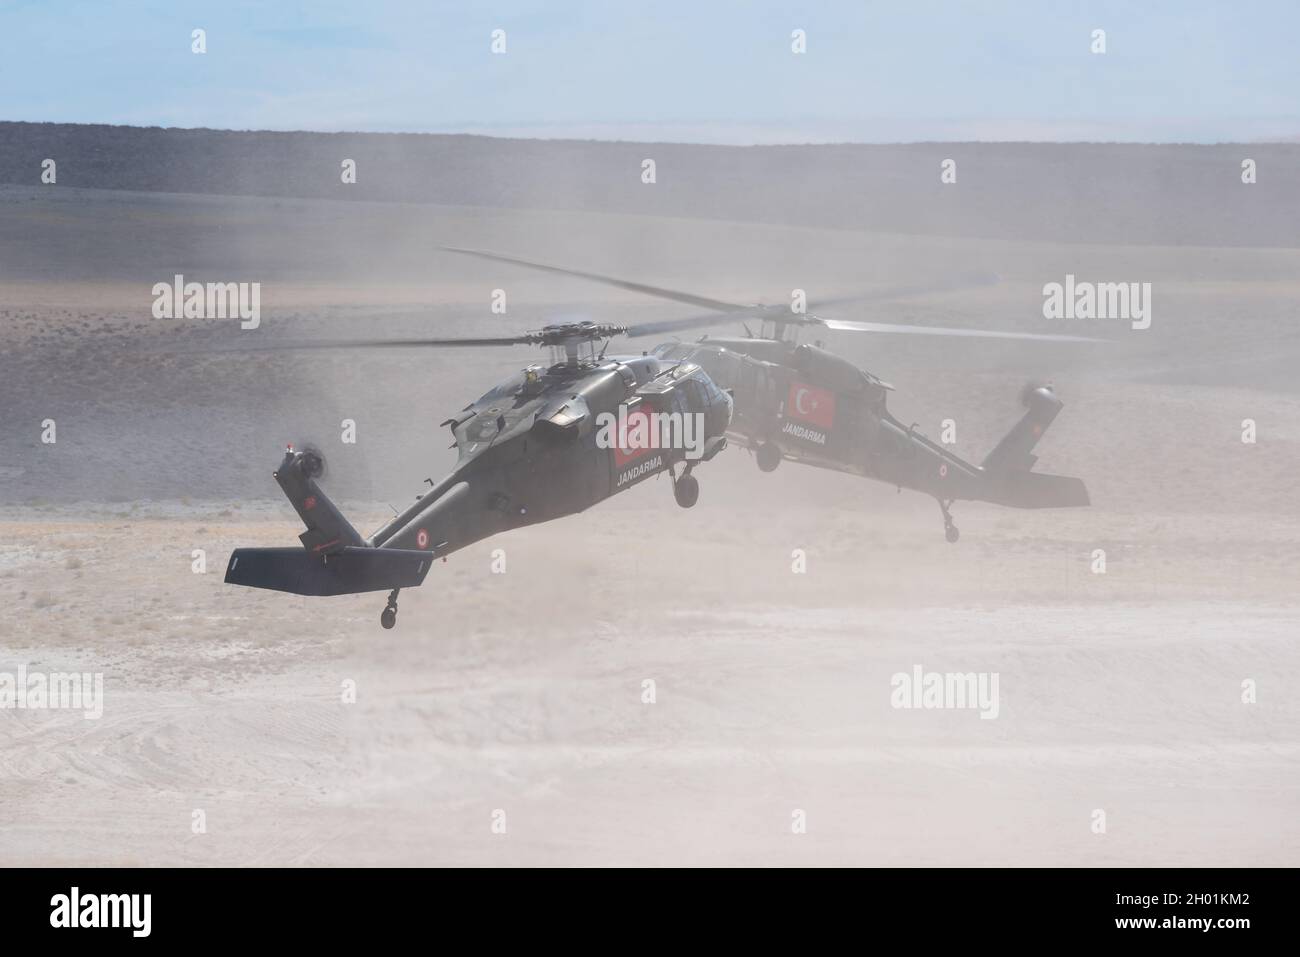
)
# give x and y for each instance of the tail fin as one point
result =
(327, 530)
(334, 559)
(1015, 452)
(1010, 463)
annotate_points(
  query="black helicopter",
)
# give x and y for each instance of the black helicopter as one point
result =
(548, 442)
(801, 402)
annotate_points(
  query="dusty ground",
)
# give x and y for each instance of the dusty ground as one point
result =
(1118, 692)
(523, 691)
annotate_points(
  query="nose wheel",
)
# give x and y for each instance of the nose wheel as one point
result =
(768, 455)
(388, 618)
(950, 531)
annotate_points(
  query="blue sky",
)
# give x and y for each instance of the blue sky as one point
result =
(666, 70)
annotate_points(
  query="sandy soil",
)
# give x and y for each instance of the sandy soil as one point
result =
(772, 694)
(523, 691)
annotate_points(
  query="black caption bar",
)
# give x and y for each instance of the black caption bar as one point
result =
(334, 907)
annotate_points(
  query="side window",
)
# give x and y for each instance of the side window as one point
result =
(696, 394)
(748, 377)
(728, 371)
(721, 367)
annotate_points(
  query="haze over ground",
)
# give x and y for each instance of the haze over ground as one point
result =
(1119, 691)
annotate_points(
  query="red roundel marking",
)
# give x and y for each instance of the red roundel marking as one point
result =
(943, 470)
(309, 502)
(422, 538)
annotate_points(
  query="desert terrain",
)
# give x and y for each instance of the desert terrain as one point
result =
(522, 692)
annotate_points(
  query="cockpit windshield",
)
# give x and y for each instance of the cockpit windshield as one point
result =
(722, 365)
(510, 387)
(673, 351)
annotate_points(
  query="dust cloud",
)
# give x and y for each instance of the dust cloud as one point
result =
(525, 691)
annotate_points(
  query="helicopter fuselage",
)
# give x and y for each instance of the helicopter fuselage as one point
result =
(544, 444)
(803, 403)
(533, 450)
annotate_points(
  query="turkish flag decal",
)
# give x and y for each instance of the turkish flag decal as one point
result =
(637, 439)
(807, 403)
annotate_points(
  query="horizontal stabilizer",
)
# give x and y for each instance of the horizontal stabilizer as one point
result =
(350, 571)
(1036, 490)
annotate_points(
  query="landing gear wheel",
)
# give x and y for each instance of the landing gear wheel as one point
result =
(769, 456)
(388, 618)
(949, 529)
(686, 490)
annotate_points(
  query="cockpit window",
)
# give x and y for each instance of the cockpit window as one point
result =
(722, 366)
(674, 350)
(507, 388)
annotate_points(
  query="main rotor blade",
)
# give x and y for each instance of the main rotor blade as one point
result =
(714, 319)
(782, 314)
(734, 310)
(850, 326)
(676, 295)
(690, 322)
(362, 344)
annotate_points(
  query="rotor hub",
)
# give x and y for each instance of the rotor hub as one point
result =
(563, 333)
